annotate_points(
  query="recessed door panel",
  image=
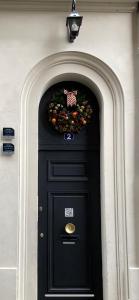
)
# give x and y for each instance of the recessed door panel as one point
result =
(67, 171)
(69, 264)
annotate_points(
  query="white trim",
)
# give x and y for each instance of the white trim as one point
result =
(92, 72)
(65, 6)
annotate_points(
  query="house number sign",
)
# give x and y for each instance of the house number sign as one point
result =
(8, 148)
(68, 136)
(8, 133)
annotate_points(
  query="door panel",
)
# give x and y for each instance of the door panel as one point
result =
(69, 259)
(69, 193)
(67, 171)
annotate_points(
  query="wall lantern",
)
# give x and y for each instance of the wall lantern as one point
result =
(74, 21)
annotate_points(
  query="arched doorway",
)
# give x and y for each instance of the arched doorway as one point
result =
(101, 79)
(69, 233)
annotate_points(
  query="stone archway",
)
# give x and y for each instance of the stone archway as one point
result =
(100, 78)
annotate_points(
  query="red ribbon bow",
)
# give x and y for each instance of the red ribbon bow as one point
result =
(71, 97)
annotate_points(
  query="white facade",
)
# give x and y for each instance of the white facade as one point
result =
(35, 53)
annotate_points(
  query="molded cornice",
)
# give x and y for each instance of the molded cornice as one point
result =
(65, 5)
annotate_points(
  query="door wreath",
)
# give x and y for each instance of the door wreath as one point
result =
(69, 115)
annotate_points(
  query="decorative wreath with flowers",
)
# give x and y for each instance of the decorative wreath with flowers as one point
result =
(69, 115)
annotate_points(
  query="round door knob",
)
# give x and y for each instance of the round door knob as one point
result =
(70, 228)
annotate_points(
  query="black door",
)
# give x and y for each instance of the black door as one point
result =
(69, 232)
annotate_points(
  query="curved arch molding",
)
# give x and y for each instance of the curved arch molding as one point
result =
(94, 73)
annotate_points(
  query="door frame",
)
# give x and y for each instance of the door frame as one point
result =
(95, 74)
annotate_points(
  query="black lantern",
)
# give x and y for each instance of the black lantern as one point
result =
(73, 23)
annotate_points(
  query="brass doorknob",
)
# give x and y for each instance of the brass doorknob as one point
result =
(70, 228)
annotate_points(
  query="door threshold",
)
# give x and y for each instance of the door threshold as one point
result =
(71, 295)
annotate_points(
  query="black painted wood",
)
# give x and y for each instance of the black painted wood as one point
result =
(69, 177)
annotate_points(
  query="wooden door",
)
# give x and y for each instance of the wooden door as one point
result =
(69, 264)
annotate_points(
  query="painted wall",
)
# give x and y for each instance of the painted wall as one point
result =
(25, 39)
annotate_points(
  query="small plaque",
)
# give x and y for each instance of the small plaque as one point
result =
(8, 148)
(69, 212)
(68, 136)
(8, 133)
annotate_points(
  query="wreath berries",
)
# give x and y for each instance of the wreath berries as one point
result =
(69, 116)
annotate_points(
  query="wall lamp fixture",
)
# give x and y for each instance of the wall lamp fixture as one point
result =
(74, 21)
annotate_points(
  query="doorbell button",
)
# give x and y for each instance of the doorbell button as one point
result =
(70, 228)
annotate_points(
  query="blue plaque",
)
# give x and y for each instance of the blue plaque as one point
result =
(8, 148)
(68, 136)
